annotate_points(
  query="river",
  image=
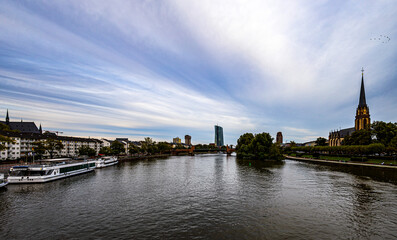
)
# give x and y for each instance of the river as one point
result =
(208, 196)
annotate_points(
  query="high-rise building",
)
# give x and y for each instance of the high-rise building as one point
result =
(176, 140)
(279, 138)
(188, 140)
(219, 136)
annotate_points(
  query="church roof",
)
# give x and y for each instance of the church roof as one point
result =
(29, 127)
(346, 132)
(362, 102)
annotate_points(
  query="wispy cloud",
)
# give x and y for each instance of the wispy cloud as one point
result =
(171, 68)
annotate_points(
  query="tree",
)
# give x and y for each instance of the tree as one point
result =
(105, 150)
(361, 137)
(321, 141)
(244, 140)
(261, 144)
(260, 147)
(133, 149)
(86, 150)
(117, 147)
(39, 148)
(50, 145)
(163, 147)
(384, 132)
(148, 146)
(5, 139)
(393, 142)
(53, 145)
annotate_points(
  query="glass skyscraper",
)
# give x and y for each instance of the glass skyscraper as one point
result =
(218, 136)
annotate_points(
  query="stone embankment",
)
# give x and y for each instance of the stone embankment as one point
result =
(340, 162)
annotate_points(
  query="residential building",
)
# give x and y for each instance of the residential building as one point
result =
(176, 140)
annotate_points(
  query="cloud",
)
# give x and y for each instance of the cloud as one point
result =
(179, 67)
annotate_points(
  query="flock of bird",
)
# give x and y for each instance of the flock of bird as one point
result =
(383, 38)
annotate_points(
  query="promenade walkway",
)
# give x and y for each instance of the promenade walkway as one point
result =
(340, 162)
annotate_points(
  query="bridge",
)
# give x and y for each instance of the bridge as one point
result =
(192, 150)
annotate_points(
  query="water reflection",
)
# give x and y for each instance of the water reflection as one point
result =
(208, 196)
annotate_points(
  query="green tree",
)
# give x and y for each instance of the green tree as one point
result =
(261, 144)
(275, 152)
(105, 151)
(86, 150)
(393, 142)
(53, 145)
(39, 148)
(163, 147)
(362, 137)
(5, 139)
(244, 140)
(50, 145)
(117, 147)
(384, 132)
(258, 147)
(133, 149)
(321, 141)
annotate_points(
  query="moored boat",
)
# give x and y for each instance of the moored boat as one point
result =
(3, 181)
(49, 170)
(106, 161)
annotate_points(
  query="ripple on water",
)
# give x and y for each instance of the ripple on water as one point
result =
(204, 197)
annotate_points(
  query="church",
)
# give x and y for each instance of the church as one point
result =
(362, 121)
(23, 127)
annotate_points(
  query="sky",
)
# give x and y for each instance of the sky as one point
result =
(164, 69)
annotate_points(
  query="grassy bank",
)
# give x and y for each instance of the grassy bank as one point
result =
(347, 159)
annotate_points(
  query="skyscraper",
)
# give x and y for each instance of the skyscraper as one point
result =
(218, 136)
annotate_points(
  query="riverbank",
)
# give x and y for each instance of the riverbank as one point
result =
(340, 162)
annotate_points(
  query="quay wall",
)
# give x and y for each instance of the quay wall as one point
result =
(340, 162)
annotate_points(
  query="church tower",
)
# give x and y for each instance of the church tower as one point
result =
(363, 120)
(7, 118)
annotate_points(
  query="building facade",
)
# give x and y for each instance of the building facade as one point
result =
(362, 120)
(24, 144)
(188, 140)
(27, 134)
(279, 138)
(176, 140)
(219, 136)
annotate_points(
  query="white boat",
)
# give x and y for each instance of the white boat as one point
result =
(49, 170)
(106, 161)
(3, 181)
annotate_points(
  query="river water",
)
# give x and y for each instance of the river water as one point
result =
(209, 196)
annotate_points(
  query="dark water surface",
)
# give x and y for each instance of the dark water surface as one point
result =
(206, 197)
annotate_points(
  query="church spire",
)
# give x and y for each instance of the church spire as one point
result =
(7, 118)
(363, 120)
(362, 102)
(40, 130)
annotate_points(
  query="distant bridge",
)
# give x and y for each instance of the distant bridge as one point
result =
(192, 150)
